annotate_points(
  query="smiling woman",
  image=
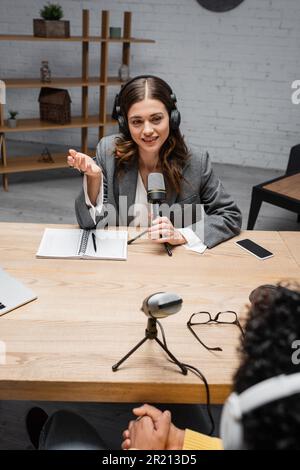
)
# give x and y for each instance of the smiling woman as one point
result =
(150, 141)
(147, 112)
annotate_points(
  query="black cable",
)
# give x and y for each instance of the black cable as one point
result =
(195, 371)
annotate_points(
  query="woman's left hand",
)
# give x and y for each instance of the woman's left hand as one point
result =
(163, 231)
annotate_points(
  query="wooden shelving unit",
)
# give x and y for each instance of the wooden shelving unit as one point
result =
(9, 165)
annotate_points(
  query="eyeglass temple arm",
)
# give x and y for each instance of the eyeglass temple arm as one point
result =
(198, 339)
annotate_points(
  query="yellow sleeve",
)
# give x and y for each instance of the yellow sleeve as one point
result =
(197, 441)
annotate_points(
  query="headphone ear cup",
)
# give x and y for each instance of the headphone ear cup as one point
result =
(116, 114)
(116, 108)
(175, 119)
(123, 128)
(231, 428)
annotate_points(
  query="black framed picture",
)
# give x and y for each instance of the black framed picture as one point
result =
(219, 5)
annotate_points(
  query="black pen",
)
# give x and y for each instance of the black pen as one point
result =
(168, 249)
(94, 242)
(138, 236)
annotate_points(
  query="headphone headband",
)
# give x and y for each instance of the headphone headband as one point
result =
(269, 390)
(258, 395)
(175, 117)
(142, 76)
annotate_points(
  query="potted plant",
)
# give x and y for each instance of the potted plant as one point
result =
(51, 26)
(11, 121)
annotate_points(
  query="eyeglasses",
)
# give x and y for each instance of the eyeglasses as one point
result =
(229, 317)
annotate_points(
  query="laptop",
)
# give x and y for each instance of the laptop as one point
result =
(13, 293)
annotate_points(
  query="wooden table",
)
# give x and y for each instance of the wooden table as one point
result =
(87, 316)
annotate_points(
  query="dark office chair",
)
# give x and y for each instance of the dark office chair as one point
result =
(283, 191)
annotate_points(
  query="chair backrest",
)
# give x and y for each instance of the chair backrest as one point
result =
(294, 161)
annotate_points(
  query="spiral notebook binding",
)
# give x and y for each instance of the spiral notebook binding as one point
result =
(83, 242)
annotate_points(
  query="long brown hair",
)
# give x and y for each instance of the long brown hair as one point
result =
(174, 153)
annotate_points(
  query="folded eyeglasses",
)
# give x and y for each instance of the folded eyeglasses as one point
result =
(228, 317)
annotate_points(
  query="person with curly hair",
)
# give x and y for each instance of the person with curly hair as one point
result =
(150, 141)
(264, 410)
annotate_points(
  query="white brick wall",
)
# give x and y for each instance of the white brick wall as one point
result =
(232, 72)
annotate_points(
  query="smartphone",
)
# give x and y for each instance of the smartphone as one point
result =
(254, 249)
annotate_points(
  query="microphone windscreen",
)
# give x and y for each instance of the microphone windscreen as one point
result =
(156, 182)
(156, 188)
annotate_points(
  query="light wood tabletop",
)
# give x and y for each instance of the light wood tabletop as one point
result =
(87, 316)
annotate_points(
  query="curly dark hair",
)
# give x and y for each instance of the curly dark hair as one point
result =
(174, 153)
(272, 326)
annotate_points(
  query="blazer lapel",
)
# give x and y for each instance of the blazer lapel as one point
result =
(171, 197)
(126, 185)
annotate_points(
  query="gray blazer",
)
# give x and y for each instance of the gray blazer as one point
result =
(222, 218)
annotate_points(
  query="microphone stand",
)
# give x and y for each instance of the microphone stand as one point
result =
(151, 333)
(156, 214)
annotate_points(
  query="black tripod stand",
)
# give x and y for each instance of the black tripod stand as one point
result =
(151, 333)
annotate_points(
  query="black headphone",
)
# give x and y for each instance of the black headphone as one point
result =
(175, 117)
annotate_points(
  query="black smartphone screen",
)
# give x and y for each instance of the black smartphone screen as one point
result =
(254, 248)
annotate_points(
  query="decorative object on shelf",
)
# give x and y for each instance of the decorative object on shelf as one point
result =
(219, 5)
(114, 32)
(51, 26)
(46, 156)
(124, 73)
(45, 72)
(11, 121)
(55, 105)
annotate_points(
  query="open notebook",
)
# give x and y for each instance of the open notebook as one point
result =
(78, 244)
(13, 293)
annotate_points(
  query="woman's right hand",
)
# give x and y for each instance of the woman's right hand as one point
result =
(84, 163)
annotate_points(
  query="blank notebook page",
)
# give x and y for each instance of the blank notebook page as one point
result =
(107, 244)
(57, 242)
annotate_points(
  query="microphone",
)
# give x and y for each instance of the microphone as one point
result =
(156, 194)
(158, 305)
(161, 304)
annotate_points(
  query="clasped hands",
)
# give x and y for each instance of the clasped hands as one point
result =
(152, 430)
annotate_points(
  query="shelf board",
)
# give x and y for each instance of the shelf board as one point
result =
(31, 163)
(28, 37)
(20, 164)
(38, 125)
(56, 82)
(133, 40)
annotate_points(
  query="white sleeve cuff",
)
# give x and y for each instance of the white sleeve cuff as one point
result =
(93, 210)
(194, 243)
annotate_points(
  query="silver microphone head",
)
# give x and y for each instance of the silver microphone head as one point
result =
(161, 304)
(156, 188)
